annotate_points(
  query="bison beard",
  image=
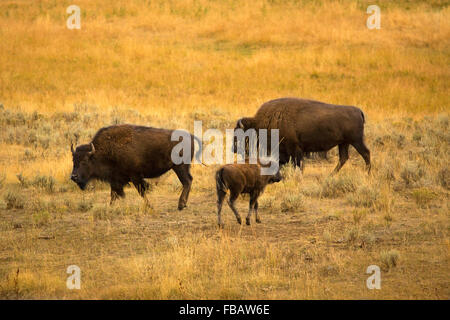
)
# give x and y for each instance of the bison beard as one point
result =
(311, 126)
(122, 154)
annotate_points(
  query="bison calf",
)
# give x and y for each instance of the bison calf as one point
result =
(242, 178)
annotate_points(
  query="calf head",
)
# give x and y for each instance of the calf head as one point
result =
(83, 164)
(275, 177)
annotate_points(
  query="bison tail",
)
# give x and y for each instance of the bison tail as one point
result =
(220, 185)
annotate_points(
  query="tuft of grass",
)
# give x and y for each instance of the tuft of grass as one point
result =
(266, 202)
(358, 215)
(14, 200)
(85, 205)
(338, 185)
(389, 259)
(352, 234)
(24, 183)
(41, 218)
(28, 155)
(388, 218)
(366, 196)
(327, 236)
(293, 203)
(387, 171)
(443, 177)
(289, 172)
(105, 212)
(46, 183)
(423, 196)
(312, 189)
(411, 173)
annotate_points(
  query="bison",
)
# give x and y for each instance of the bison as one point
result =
(310, 126)
(121, 154)
(242, 178)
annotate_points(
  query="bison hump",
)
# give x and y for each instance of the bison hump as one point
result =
(110, 138)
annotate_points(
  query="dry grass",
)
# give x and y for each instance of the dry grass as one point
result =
(166, 64)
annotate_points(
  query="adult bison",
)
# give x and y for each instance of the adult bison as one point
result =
(310, 126)
(121, 154)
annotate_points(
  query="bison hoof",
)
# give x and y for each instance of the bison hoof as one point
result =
(181, 206)
(221, 225)
(258, 221)
(247, 221)
(239, 220)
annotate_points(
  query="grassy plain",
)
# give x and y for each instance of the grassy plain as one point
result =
(168, 63)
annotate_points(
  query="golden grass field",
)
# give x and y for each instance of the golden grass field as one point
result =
(168, 63)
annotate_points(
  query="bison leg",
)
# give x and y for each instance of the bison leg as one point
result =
(253, 198)
(343, 157)
(142, 186)
(220, 197)
(295, 154)
(231, 201)
(185, 178)
(116, 192)
(299, 161)
(364, 152)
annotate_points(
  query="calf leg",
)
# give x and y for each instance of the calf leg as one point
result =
(364, 152)
(343, 157)
(258, 220)
(220, 197)
(253, 198)
(185, 178)
(231, 201)
(116, 191)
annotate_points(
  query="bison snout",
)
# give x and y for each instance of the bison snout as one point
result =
(74, 177)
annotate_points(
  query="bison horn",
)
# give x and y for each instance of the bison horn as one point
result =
(92, 149)
(240, 124)
(71, 148)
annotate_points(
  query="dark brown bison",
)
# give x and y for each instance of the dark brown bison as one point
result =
(242, 178)
(310, 126)
(121, 154)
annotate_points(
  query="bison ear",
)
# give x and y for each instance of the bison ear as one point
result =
(92, 149)
(240, 124)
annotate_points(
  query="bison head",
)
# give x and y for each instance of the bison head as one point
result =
(243, 124)
(83, 164)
